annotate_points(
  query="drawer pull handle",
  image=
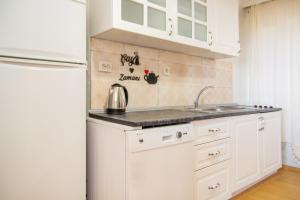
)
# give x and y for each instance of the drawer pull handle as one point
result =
(214, 187)
(215, 130)
(214, 154)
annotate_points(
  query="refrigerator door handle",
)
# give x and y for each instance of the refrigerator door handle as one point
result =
(41, 62)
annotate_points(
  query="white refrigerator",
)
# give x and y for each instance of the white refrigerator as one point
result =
(42, 100)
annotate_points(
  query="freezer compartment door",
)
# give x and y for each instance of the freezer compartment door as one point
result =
(42, 132)
(43, 29)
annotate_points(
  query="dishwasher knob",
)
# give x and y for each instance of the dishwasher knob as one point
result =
(179, 134)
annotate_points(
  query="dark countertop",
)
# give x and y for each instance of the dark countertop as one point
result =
(151, 118)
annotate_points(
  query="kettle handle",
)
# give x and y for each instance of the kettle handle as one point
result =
(126, 94)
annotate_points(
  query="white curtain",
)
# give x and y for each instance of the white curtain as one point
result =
(269, 66)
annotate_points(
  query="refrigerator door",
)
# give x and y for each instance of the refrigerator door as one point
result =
(43, 29)
(42, 132)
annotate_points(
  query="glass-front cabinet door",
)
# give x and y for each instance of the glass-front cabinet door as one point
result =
(192, 19)
(157, 14)
(132, 11)
(149, 16)
(182, 21)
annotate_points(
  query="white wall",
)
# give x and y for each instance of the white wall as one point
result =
(243, 87)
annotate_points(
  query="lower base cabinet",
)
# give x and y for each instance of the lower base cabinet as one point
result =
(213, 153)
(226, 156)
(246, 161)
(213, 182)
(270, 143)
(256, 148)
(234, 153)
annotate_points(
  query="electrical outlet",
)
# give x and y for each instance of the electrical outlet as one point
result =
(167, 71)
(105, 67)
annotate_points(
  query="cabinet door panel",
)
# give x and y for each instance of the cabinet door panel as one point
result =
(184, 7)
(184, 27)
(213, 182)
(271, 143)
(225, 26)
(200, 32)
(201, 21)
(192, 21)
(200, 12)
(45, 30)
(159, 2)
(132, 12)
(246, 151)
(145, 17)
(156, 19)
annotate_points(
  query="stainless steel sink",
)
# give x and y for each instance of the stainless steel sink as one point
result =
(217, 109)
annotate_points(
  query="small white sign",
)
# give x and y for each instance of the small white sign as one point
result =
(105, 67)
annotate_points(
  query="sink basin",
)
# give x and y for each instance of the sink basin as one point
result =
(217, 109)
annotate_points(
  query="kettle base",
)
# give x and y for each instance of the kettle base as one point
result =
(115, 111)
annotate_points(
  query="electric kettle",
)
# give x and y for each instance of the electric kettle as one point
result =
(117, 99)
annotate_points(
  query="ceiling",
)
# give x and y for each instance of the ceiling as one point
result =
(247, 3)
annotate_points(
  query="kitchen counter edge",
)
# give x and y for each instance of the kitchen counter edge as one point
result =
(179, 120)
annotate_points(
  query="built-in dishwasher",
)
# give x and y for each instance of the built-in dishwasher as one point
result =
(159, 163)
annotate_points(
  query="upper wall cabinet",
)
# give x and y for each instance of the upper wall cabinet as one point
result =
(225, 27)
(207, 28)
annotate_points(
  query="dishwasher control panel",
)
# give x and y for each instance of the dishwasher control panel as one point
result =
(146, 139)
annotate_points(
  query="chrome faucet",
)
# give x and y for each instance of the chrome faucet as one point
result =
(196, 103)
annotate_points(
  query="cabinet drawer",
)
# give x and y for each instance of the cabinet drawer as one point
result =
(211, 130)
(213, 182)
(212, 153)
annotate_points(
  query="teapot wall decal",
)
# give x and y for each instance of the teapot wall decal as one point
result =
(151, 77)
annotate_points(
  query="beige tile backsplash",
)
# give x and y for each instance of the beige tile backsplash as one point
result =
(188, 75)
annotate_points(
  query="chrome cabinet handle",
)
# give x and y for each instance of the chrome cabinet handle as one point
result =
(211, 38)
(171, 27)
(261, 123)
(214, 187)
(261, 120)
(215, 130)
(215, 153)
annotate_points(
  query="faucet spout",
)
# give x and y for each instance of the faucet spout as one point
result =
(196, 103)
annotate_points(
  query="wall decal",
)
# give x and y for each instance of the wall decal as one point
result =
(132, 60)
(131, 70)
(123, 77)
(151, 77)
